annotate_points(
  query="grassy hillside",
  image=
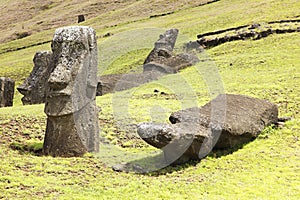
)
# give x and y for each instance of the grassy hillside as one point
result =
(269, 68)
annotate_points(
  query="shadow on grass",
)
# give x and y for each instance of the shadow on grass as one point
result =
(156, 165)
(33, 148)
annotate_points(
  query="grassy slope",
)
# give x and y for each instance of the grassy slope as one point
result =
(266, 168)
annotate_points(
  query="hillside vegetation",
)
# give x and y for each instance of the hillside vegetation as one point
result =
(268, 68)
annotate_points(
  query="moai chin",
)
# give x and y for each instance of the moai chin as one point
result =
(72, 123)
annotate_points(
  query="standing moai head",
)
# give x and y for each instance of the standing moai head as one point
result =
(33, 87)
(73, 81)
(72, 123)
(7, 89)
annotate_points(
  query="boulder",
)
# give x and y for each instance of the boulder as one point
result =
(225, 122)
(72, 115)
(33, 87)
(7, 89)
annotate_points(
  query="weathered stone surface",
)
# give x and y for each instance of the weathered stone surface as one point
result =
(164, 46)
(224, 122)
(162, 58)
(72, 123)
(240, 117)
(157, 67)
(180, 142)
(119, 82)
(33, 87)
(73, 134)
(7, 89)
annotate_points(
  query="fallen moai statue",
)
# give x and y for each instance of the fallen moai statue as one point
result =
(225, 122)
(33, 87)
(159, 62)
(72, 115)
(7, 89)
(162, 58)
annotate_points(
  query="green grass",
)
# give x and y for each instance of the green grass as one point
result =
(266, 168)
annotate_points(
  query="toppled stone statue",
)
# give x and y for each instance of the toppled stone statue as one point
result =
(225, 122)
(7, 89)
(162, 58)
(33, 87)
(72, 123)
(159, 62)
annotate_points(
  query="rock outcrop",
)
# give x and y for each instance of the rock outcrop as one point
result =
(225, 122)
(33, 87)
(7, 89)
(72, 114)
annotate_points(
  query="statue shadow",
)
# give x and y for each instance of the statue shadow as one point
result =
(157, 166)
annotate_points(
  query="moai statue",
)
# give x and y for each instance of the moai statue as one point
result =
(81, 18)
(33, 87)
(72, 123)
(7, 89)
(163, 47)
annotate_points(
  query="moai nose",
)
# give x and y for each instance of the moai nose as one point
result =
(59, 78)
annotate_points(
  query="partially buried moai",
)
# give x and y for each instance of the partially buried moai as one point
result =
(72, 123)
(33, 87)
(7, 89)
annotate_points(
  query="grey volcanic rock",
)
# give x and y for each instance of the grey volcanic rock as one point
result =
(119, 82)
(225, 122)
(7, 89)
(33, 87)
(164, 46)
(160, 61)
(157, 67)
(179, 142)
(162, 58)
(240, 117)
(72, 123)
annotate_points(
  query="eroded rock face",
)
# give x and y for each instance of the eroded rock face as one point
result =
(225, 122)
(33, 87)
(7, 89)
(72, 123)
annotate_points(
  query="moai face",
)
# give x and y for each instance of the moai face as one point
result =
(33, 87)
(71, 84)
